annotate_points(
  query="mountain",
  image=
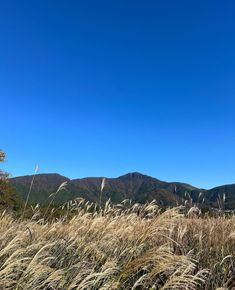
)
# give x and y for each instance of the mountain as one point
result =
(227, 190)
(135, 186)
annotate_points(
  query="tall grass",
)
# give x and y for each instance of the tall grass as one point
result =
(122, 246)
(30, 189)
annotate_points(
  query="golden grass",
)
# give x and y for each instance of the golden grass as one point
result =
(121, 247)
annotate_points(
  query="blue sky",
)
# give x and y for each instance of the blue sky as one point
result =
(102, 88)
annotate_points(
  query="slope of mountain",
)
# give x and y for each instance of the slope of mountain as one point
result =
(42, 186)
(135, 186)
(225, 190)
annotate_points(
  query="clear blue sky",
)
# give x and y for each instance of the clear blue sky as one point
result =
(102, 88)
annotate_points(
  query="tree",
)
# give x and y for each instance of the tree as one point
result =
(3, 174)
(2, 156)
(9, 199)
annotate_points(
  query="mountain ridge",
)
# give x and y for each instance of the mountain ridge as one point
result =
(134, 185)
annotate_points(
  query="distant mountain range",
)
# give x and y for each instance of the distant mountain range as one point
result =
(136, 186)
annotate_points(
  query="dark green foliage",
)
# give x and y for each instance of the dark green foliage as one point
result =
(9, 199)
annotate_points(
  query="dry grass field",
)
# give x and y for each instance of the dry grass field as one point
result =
(121, 247)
